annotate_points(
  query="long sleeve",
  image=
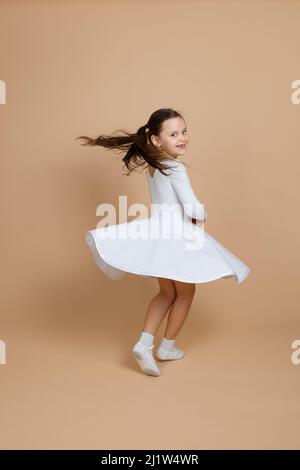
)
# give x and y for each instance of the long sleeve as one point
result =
(181, 183)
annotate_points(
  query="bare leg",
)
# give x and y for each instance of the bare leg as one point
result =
(185, 293)
(159, 305)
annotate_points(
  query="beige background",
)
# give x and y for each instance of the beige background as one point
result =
(74, 68)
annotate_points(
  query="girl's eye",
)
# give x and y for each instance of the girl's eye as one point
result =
(172, 135)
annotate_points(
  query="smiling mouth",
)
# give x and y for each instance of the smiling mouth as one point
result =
(181, 146)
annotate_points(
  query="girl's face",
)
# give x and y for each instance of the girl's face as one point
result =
(173, 139)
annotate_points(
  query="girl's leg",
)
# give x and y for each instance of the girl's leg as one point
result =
(159, 305)
(184, 296)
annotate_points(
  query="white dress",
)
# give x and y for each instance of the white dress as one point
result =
(166, 244)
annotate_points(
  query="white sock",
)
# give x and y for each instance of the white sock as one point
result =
(167, 343)
(146, 338)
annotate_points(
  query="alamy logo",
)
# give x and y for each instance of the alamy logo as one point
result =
(295, 357)
(166, 221)
(2, 92)
(2, 352)
(295, 98)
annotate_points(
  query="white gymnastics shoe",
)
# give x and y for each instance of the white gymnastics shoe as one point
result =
(143, 355)
(169, 354)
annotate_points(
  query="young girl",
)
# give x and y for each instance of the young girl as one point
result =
(177, 263)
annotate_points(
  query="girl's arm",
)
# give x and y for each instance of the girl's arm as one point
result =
(181, 183)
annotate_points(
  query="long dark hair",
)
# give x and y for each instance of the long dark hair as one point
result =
(139, 148)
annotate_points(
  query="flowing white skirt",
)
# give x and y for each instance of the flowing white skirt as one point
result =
(138, 247)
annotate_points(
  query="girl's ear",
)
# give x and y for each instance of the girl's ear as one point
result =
(154, 140)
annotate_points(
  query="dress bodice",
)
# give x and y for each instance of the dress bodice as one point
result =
(175, 190)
